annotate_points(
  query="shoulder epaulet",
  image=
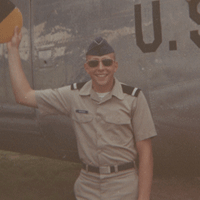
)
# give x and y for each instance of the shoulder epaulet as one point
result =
(131, 90)
(77, 86)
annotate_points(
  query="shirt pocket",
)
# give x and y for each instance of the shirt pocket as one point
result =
(117, 126)
(117, 118)
(82, 117)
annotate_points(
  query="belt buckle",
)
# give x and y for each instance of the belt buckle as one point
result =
(104, 170)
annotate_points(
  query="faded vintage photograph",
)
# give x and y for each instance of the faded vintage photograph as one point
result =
(99, 100)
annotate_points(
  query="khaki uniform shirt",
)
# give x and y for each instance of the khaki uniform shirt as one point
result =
(106, 129)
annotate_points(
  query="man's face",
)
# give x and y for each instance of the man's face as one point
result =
(101, 70)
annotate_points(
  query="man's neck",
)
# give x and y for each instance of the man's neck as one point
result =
(103, 89)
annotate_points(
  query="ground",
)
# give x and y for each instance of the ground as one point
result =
(25, 177)
(176, 188)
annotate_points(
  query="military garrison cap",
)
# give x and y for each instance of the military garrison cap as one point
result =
(99, 47)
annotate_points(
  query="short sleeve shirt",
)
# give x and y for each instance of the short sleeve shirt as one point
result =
(106, 129)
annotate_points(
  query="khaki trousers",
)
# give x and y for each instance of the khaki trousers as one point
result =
(115, 186)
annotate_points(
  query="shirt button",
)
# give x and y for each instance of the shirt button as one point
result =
(99, 151)
(98, 118)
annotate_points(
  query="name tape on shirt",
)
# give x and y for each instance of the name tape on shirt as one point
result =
(82, 111)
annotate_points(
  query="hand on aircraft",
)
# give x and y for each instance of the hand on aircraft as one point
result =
(16, 39)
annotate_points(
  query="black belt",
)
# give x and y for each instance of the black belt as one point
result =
(108, 169)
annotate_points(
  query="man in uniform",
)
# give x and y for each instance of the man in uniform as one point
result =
(112, 123)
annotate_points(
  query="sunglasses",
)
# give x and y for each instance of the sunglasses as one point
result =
(94, 63)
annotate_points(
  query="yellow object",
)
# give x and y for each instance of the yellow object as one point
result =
(9, 23)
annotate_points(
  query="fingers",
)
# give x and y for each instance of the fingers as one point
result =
(17, 35)
(16, 39)
(20, 36)
(16, 31)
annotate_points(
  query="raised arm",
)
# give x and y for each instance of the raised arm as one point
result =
(24, 94)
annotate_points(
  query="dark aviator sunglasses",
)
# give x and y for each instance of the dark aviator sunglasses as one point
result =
(94, 63)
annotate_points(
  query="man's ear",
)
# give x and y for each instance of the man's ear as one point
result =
(116, 66)
(86, 67)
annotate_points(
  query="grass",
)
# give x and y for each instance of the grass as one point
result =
(24, 177)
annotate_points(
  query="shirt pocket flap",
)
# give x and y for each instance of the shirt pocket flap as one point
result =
(82, 118)
(117, 119)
